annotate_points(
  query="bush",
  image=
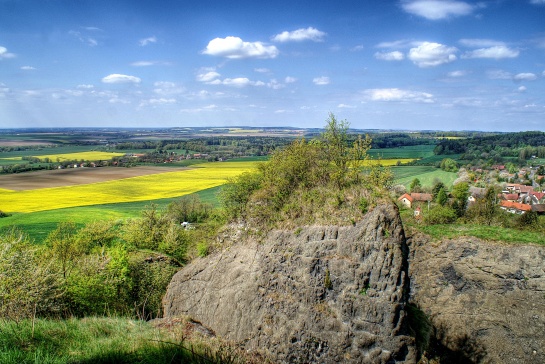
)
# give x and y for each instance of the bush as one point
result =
(440, 215)
(189, 209)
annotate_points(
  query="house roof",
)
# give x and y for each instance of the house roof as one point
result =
(510, 196)
(538, 207)
(405, 195)
(515, 205)
(477, 191)
(539, 195)
(422, 196)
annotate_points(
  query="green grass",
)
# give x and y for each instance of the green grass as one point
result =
(491, 233)
(427, 175)
(412, 151)
(104, 340)
(37, 225)
(435, 159)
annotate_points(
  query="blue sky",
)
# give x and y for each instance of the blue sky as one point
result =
(405, 64)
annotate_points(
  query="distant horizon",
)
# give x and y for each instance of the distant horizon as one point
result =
(91, 128)
(389, 65)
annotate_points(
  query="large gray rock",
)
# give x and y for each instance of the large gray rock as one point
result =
(486, 301)
(317, 294)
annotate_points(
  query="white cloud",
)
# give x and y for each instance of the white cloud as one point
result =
(150, 63)
(324, 80)
(28, 68)
(146, 41)
(235, 48)
(390, 56)
(455, 74)
(522, 89)
(480, 43)
(208, 76)
(537, 2)
(4, 54)
(499, 75)
(525, 77)
(161, 101)
(344, 106)
(262, 70)
(403, 43)
(357, 48)
(289, 79)
(300, 35)
(496, 52)
(117, 78)
(430, 54)
(237, 82)
(275, 85)
(85, 87)
(92, 42)
(167, 88)
(437, 9)
(395, 94)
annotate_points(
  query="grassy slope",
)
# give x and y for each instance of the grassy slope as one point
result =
(103, 340)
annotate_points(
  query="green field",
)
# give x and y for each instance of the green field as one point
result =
(427, 175)
(38, 224)
(409, 152)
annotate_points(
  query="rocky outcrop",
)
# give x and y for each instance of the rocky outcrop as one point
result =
(485, 301)
(329, 294)
(318, 294)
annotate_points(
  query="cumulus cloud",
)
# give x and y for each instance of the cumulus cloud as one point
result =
(495, 52)
(345, 106)
(522, 88)
(147, 41)
(28, 68)
(300, 35)
(437, 9)
(324, 80)
(525, 77)
(208, 76)
(395, 94)
(4, 54)
(161, 101)
(430, 54)
(118, 78)
(390, 56)
(403, 43)
(85, 87)
(289, 79)
(262, 70)
(235, 48)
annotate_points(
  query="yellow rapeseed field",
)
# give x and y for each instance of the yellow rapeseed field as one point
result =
(86, 156)
(143, 188)
(388, 162)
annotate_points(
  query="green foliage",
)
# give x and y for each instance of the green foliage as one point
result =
(485, 209)
(149, 275)
(96, 235)
(449, 165)
(527, 220)
(437, 186)
(460, 193)
(108, 340)
(30, 284)
(415, 186)
(190, 209)
(235, 195)
(63, 247)
(158, 232)
(364, 205)
(327, 280)
(440, 215)
(202, 249)
(442, 197)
